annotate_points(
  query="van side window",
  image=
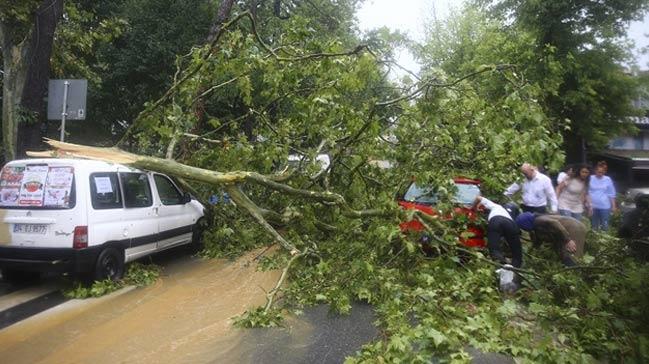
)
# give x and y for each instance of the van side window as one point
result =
(169, 194)
(104, 191)
(137, 191)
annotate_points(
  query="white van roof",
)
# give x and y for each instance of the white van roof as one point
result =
(86, 164)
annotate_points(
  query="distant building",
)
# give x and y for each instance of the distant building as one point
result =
(628, 156)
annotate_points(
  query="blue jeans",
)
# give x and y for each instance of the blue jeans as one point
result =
(599, 220)
(574, 215)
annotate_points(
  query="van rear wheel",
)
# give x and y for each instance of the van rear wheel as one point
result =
(110, 265)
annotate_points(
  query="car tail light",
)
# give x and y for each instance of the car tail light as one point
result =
(80, 239)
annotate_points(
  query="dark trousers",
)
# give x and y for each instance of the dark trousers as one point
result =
(537, 209)
(501, 227)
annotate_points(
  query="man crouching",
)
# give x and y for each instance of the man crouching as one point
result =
(567, 234)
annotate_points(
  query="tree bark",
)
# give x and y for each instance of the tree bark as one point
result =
(26, 73)
(15, 74)
(30, 133)
(221, 17)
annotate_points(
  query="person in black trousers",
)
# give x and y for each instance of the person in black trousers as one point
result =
(501, 225)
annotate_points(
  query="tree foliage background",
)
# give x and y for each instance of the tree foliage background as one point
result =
(584, 44)
(289, 77)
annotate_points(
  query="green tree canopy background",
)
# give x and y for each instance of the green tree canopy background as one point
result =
(296, 77)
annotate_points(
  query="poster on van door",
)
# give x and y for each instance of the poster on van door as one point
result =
(10, 181)
(33, 186)
(58, 186)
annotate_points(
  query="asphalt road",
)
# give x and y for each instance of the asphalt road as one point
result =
(186, 317)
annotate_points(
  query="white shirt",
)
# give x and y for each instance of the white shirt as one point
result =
(561, 177)
(536, 192)
(494, 209)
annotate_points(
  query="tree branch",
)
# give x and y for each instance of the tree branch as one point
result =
(270, 50)
(271, 294)
(198, 137)
(206, 92)
(174, 168)
(425, 85)
(244, 202)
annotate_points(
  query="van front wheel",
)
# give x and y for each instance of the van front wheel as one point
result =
(110, 265)
(197, 237)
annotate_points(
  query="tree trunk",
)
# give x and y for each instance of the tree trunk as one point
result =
(221, 179)
(222, 16)
(15, 74)
(231, 181)
(30, 133)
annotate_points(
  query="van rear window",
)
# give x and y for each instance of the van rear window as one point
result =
(37, 186)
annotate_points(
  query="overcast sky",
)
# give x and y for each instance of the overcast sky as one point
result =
(409, 16)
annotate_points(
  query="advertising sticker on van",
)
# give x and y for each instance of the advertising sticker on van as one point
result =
(10, 181)
(58, 186)
(32, 188)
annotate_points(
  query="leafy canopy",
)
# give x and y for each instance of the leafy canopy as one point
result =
(588, 40)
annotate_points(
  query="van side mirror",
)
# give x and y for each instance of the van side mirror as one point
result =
(187, 197)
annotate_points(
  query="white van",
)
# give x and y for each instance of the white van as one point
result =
(88, 217)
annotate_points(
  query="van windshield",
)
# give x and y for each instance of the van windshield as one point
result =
(37, 186)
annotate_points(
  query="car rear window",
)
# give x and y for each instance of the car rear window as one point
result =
(37, 186)
(418, 194)
(465, 194)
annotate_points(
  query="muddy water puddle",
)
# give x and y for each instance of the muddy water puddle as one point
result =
(184, 318)
(180, 319)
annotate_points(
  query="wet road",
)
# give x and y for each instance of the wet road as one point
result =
(184, 318)
(18, 302)
(315, 337)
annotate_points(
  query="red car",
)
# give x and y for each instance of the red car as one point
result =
(424, 199)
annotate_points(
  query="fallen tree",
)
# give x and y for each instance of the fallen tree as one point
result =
(230, 181)
(266, 94)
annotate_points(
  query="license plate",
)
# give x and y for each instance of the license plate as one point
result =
(30, 229)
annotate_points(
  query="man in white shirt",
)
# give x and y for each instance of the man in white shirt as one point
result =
(501, 224)
(536, 190)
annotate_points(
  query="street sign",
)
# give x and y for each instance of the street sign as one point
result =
(75, 107)
(66, 99)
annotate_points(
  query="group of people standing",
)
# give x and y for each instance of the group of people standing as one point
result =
(577, 192)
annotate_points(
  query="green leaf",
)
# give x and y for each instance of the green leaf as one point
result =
(437, 337)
